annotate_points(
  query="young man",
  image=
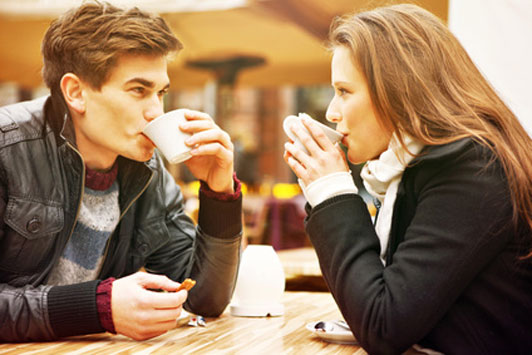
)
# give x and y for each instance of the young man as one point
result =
(85, 202)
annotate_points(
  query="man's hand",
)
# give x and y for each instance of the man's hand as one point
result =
(142, 314)
(212, 153)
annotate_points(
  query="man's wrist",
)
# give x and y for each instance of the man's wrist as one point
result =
(222, 196)
(220, 215)
(103, 301)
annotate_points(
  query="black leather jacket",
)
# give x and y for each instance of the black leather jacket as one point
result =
(41, 186)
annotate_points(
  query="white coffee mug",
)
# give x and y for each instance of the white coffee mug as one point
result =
(296, 120)
(164, 132)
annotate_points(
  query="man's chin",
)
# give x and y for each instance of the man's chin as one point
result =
(143, 156)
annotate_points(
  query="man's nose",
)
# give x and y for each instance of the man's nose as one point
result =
(154, 110)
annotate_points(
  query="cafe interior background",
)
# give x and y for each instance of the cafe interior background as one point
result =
(250, 63)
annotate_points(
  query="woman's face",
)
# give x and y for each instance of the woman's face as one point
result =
(351, 108)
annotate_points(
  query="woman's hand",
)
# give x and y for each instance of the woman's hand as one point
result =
(324, 157)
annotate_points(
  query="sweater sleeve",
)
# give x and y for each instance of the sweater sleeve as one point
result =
(103, 300)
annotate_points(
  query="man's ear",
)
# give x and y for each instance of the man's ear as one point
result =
(72, 89)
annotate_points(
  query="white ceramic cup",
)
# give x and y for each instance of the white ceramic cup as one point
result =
(296, 120)
(164, 132)
(260, 283)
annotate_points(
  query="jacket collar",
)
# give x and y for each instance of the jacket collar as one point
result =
(58, 117)
(437, 152)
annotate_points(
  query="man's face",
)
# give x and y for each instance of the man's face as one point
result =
(116, 114)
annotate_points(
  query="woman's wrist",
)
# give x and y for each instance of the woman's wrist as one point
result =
(328, 186)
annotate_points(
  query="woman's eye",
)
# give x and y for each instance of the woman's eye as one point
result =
(342, 91)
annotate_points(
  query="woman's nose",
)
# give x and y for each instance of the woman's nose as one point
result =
(332, 115)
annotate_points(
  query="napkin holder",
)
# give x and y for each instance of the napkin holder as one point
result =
(260, 283)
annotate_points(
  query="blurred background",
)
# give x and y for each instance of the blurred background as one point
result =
(250, 63)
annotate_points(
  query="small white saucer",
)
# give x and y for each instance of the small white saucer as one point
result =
(338, 335)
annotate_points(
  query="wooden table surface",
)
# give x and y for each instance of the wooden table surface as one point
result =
(224, 335)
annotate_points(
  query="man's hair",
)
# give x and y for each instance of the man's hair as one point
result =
(422, 82)
(89, 39)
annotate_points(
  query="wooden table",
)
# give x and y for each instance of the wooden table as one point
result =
(223, 335)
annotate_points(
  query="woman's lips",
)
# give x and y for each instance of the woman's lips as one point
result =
(344, 140)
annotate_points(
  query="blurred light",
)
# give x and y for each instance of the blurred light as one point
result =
(285, 191)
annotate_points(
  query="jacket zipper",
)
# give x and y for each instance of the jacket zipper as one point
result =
(81, 199)
(119, 219)
(82, 192)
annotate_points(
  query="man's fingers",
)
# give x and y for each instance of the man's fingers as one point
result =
(211, 136)
(193, 115)
(162, 300)
(165, 315)
(153, 281)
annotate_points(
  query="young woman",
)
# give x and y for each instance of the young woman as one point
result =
(447, 265)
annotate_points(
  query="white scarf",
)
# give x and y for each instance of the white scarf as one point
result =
(381, 179)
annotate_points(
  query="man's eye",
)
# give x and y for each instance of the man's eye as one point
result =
(139, 90)
(163, 92)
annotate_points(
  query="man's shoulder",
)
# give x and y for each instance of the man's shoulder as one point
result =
(22, 121)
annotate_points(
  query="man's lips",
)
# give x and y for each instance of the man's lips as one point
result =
(148, 139)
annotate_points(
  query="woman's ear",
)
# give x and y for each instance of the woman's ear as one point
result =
(72, 89)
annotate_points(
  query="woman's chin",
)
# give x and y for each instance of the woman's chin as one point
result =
(355, 159)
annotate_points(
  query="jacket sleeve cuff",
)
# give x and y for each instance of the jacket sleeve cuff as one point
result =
(205, 189)
(220, 215)
(103, 301)
(72, 309)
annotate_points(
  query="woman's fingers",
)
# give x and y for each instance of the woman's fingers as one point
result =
(319, 162)
(313, 137)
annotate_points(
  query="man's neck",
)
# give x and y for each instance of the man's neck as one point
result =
(95, 157)
(99, 164)
(99, 180)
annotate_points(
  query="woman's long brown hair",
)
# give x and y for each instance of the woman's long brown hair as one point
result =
(423, 83)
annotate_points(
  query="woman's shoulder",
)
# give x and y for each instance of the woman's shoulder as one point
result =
(464, 160)
(457, 150)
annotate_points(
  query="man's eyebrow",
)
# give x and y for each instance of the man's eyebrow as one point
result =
(145, 82)
(141, 81)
